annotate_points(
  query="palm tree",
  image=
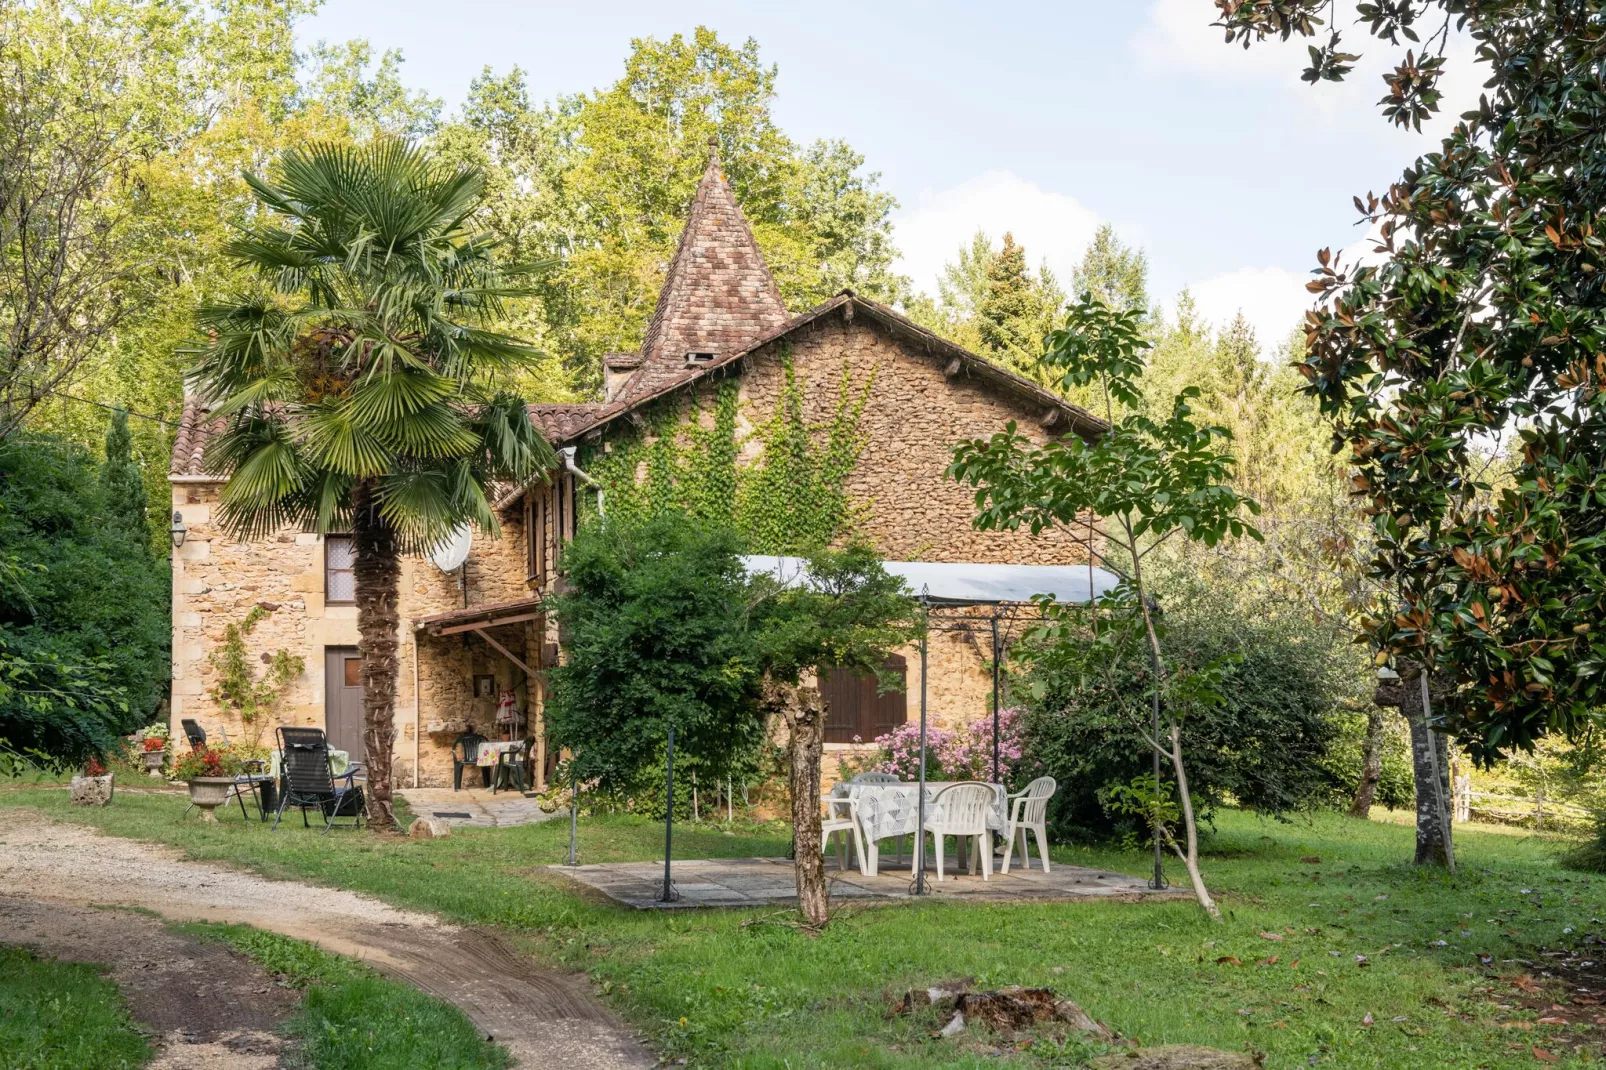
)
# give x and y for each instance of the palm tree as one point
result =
(355, 385)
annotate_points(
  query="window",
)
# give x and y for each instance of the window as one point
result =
(339, 584)
(352, 670)
(855, 712)
(535, 536)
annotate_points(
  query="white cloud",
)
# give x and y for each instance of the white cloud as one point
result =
(1178, 40)
(1272, 299)
(1052, 226)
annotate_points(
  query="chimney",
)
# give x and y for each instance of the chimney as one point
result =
(617, 369)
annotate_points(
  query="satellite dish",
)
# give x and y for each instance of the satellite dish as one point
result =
(450, 553)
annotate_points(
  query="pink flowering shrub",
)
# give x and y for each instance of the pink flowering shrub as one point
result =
(966, 754)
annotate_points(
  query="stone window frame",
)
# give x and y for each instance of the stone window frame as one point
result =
(327, 571)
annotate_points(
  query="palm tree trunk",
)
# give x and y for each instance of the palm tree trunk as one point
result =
(377, 572)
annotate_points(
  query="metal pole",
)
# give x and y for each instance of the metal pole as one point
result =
(1158, 881)
(995, 695)
(669, 818)
(920, 805)
(574, 807)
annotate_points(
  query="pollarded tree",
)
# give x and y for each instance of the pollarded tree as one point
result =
(1122, 495)
(846, 611)
(354, 384)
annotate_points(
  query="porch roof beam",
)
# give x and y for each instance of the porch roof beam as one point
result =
(506, 653)
(494, 622)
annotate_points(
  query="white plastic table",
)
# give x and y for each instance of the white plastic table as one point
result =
(887, 811)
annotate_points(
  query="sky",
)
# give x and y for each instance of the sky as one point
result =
(1044, 119)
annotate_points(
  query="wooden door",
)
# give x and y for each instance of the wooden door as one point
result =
(342, 677)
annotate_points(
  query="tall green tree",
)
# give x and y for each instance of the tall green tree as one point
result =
(601, 182)
(122, 486)
(1480, 320)
(1145, 480)
(1112, 271)
(353, 381)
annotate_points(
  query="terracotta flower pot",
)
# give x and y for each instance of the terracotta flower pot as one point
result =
(210, 792)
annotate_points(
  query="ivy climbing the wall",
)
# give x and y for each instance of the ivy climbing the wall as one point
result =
(790, 500)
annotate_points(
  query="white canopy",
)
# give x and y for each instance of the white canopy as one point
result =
(968, 582)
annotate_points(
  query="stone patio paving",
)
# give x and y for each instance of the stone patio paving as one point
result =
(476, 807)
(736, 882)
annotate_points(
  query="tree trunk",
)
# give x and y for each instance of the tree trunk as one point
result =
(1371, 766)
(1190, 857)
(377, 573)
(805, 718)
(1427, 751)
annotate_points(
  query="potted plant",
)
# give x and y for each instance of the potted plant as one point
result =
(93, 786)
(210, 773)
(153, 749)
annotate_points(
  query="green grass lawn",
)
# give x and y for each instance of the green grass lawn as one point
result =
(63, 1016)
(1283, 974)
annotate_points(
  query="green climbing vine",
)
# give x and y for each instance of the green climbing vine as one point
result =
(239, 688)
(791, 499)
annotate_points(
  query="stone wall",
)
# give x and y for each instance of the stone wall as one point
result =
(217, 580)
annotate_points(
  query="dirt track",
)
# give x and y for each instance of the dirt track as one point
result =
(545, 1019)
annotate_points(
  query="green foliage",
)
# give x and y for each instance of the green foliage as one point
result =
(1113, 272)
(1482, 319)
(63, 1016)
(122, 486)
(361, 365)
(353, 1019)
(990, 303)
(84, 629)
(600, 181)
(791, 500)
(238, 686)
(655, 622)
(846, 610)
(1261, 738)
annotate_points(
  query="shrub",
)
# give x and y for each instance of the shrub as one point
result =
(965, 754)
(84, 627)
(1264, 747)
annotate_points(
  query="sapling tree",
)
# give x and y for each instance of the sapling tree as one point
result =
(1122, 495)
(846, 611)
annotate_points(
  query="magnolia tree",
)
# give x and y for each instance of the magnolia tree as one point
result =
(1142, 482)
(1476, 323)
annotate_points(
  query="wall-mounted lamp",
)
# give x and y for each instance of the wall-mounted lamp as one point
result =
(177, 529)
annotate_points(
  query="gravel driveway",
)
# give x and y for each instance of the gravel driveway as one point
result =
(544, 1018)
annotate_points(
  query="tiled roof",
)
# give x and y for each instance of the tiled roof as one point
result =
(190, 443)
(558, 422)
(717, 295)
(849, 303)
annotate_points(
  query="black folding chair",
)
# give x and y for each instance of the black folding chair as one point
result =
(194, 733)
(305, 780)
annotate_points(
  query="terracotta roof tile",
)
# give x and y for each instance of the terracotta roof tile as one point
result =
(558, 422)
(190, 443)
(718, 292)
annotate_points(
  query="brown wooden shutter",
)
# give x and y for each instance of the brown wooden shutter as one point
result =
(842, 694)
(888, 709)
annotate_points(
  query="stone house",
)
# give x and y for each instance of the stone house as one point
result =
(723, 361)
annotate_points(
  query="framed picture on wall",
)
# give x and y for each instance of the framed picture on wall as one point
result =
(484, 685)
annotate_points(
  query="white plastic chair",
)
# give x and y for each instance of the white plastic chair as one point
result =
(842, 819)
(961, 810)
(881, 778)
(1028, 811)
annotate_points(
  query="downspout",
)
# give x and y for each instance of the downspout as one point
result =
(567, 454)
(418, 709)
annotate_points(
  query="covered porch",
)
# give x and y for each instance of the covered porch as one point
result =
(478, 671)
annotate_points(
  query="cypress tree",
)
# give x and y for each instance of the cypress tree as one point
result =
(121, 485)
